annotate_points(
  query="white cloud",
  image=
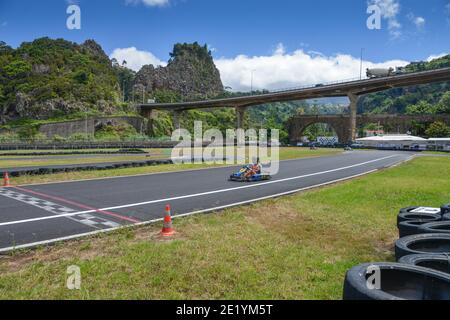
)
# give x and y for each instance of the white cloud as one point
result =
(280, 50)
(285, 70)
(211, 48)
(389, 11)
(436, 56)
(136, 58)
(149, 3)
(419, 22)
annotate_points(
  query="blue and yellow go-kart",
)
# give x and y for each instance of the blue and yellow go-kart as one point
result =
(243, 176)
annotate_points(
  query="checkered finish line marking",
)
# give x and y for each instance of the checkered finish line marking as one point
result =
(57, 209)
(103, 211)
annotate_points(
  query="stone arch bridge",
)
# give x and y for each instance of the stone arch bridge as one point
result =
(341, 123)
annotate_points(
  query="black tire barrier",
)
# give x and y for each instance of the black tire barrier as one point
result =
(397, 282)
(446, 217)
(445, 209)
(433, 261)
(411, 209)
(90, 146)
(435, 227)
(43, 171)
(425, 243)
(62, 153)
(405, 216)
(408, 209)
(410, 227)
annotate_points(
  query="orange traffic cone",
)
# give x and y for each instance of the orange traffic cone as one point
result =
(6, 179)
(167, 229)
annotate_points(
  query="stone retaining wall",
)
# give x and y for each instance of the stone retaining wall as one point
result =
(67, 128)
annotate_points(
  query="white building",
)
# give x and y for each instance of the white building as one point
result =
(405, 142)
(439, 144)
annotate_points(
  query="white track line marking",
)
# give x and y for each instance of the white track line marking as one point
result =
(93, 233)
(197, 194)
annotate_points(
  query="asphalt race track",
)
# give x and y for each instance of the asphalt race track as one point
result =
(40, 214)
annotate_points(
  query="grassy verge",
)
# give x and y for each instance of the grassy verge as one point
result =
(437, 153)
(285, 154)
(296, 247)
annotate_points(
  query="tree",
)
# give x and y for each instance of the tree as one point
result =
(438, 129)
(17, 68)
(444, 103)
(4, 48)
(422, 107)
(125, 78)
(81, 77)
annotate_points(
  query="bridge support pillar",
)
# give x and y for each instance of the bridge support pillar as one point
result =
(240, 117)
(150, 115)
(353, 114)
(177, 114)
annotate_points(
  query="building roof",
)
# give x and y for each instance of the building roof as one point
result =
(392, 138)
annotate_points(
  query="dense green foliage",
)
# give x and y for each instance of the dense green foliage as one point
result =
(47, 78)
(438, 130)
(121, 131)
(191, 49)
(125, 78)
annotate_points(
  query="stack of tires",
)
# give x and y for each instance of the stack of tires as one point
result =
(422, 271)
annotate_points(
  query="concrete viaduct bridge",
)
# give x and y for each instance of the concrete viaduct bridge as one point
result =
(340, 123)
(352, 89)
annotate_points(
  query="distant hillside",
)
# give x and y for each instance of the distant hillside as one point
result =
(428, 98)
(50, 78)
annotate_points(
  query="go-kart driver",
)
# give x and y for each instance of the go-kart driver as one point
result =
(254, 169)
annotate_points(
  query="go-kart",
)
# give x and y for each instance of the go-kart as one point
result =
(244, 176)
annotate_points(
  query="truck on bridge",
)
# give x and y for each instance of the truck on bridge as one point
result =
(381, 73)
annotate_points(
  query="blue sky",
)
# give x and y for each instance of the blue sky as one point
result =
(325, 31)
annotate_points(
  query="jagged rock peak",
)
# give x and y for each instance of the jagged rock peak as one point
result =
(191, 72)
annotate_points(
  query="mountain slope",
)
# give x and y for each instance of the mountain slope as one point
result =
(50, 78)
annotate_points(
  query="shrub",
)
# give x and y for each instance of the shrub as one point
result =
(58, 138)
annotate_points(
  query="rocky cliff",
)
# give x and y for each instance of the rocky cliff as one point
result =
(190, 73)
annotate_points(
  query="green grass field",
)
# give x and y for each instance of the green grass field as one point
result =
(285, 154)
(295, 247)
